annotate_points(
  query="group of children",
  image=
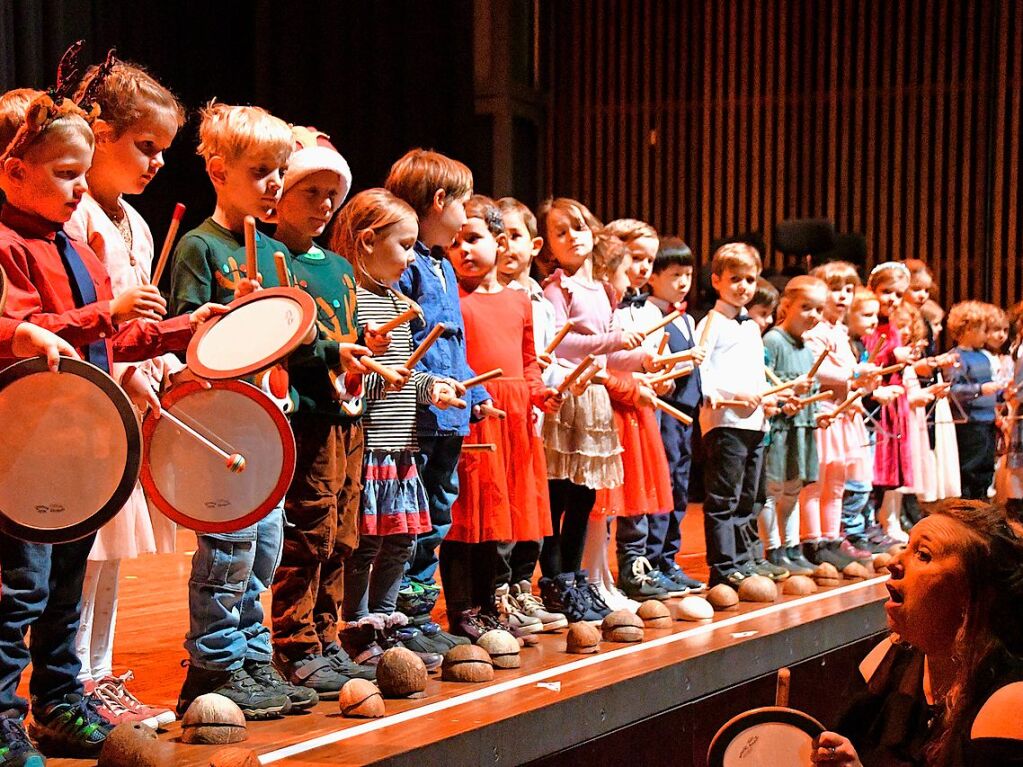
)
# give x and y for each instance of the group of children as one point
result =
(814, 433)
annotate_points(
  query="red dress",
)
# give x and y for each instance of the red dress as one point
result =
(893, 461)
(503, 494)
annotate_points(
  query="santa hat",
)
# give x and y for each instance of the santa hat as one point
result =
(313, 153)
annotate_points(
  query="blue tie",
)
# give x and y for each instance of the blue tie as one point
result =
(84, 292)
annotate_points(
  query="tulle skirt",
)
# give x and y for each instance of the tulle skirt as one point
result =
(646, 486)
(581, 441)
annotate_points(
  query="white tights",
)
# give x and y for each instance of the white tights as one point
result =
(95, 641)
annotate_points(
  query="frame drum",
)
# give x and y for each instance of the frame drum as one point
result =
(70, 448)
(261, 329)
(772, 736)
(191, 483)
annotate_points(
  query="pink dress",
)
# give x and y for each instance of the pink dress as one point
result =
(893, 460)
(137, 529)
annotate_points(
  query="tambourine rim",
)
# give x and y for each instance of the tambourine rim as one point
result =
(133, 438)
(765, 715)
(3, 289)
(308, 308)
(288, 459)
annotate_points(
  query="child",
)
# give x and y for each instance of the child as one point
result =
(733, 435)
(244, 149)
(378, 232)
(669, 284)
(976, 393)
(913, 329)
(763, 304)
(322, 503)
(941, 424)
(791, 456)
(498, 501)
(583, 450)
(436, 187)
(1012, 488)
(140, 119)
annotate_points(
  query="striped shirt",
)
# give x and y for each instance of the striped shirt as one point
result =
(389, 422)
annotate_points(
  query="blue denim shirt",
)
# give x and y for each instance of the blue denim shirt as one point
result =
(439, 302)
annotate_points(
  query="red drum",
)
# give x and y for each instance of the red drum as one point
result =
(772, 736)
(184, 471)
(261, 329)
(70, 448)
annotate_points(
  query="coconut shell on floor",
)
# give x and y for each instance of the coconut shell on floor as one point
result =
(799, 586)
(622, 626)
(855, 571)
(582, 639)
(214, 720)
(654, 614)
(758, 588)
(401, 673)
(361, 699)
(723, 597)
(234, 756)
(502, 647)
(467, 663)
(826, 574)
(881, 562)
(693, 608)
(133, 744)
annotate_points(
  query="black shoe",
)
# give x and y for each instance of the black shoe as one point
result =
(440, 637)
(596, 606)
(800, 565)
(559, 594)
(819, 552)
(639, 581)
(769, 570)
(682, 582)
(71, 727)
(255, 701)
(16, 749)
(343, 662)
(315, 672)
(733, 578)
(300, 697)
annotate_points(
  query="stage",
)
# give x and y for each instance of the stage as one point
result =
(657, 701)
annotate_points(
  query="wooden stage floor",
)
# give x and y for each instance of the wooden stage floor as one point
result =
(520, 716)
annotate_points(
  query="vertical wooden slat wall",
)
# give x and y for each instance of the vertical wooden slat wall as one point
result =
(898, 120)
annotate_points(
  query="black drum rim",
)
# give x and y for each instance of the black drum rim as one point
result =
(133, 464)
(766, 715)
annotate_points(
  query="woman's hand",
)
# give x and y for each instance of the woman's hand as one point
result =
(834, 749)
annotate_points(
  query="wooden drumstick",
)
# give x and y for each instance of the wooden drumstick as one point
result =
(492, 412)
(817, 365)
(773, 376)
(881, 339)
(251, 265)
(483, 377)
(672, 359)
(588, 375)
(730, 403)
(454, 402)
(558, 338)
(489, 447)
(890, 369)
(235, 461)
(671, 375)
(667, 319)
(705, 335)
(406, 316)
(432, 336)
(168, 243)
(663, 345)
(781, 689)
(819, 397)
(389, 374)
(846, 403)
(281, 262)
(781, 387)
(674, 412)
(575, 373)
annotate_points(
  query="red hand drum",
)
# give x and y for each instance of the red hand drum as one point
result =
(261, 329)
(70, 448)
(773, 736)
(184, 471)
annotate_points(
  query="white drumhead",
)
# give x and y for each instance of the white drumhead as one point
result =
(253, 332)
(770, 744)
(63, 450)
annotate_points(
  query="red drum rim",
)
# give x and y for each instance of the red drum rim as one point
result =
(149, 484)
(308, 308)
(767, 715)
(133, 437)
(3, 289)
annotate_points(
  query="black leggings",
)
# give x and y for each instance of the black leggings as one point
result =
(468, 573)
(571, 505)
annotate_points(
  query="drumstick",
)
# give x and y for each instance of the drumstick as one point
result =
(671, 359)
(705, 335)
(389, 374)
(819, 397)
(281, 262)
(665, 320)
(890, 369)
(406, 316)
(731, 403)
(674, 412)
(490, 447)
(877, 347)
(781, 387)
(168, 242)
(454, 402)
(781, 690)
(846, 403)
(574, 374)
(773, 376)
(432, 336)
(817, 365)
(251, 266)
(662, 345)
(235, 461)
(671, 375)
(211, 435)
(483, 377)
(558, 337)
(588, 375)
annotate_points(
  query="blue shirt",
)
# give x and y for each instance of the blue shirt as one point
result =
(973, 371)
(446, 358)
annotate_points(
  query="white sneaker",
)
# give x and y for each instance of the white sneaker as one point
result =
(615, 599)
(509, 611)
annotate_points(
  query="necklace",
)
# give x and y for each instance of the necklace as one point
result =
(120, 219)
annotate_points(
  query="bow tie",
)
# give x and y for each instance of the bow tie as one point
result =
(636, 299)
(741, 318)
(678, 307)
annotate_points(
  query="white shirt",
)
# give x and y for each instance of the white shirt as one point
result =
(734, 365)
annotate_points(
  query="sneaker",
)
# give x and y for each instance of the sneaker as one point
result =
(317, 673)
(509, 612)
(854, 552)
(344, 664)
(411, 638)
(733, 578)
(592, 597)
(299, 696)
(440, 637)
(255, 701)
(533, 606)
(16, 749)
(615, 599)
(779, 557)
(73, 727)
(416, 599)
(769, 570)
(468, 624)
(117, 704)
(819, 552)
(799, 564)
(560, 595)
(682, 584)
(638, 582)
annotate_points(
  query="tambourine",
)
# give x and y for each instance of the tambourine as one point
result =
(773, 736)
(222, 460)
(70, 449)
(260, 330)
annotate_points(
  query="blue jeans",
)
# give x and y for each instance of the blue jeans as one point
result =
(856, 507)
(229, 573)
(42, 590)
(438, 469)
(373, 575)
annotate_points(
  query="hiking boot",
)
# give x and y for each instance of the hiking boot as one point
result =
(315, 672)
(534, 607)
(509, 612)
(72, 728)
(636, 579)
(795, 555)
(682, 584)
(768, 569)
(16, 750)
(468, 624)
(344, 664)
(299, 696)
(255, 701)
(591, 597)
(117, 704)
(779, 557)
